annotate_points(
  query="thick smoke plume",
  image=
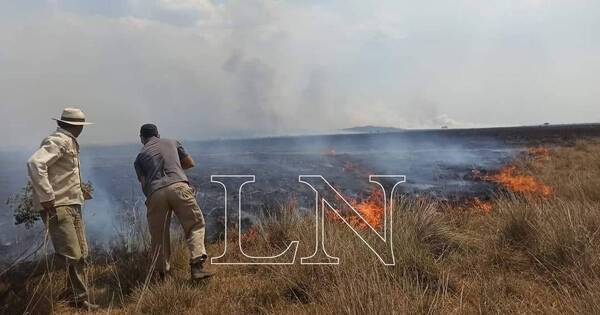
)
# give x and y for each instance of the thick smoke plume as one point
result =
(205, 69)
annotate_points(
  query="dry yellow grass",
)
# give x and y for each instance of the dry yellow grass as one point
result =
(528, 255)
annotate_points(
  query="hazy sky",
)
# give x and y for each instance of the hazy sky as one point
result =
(202, 68)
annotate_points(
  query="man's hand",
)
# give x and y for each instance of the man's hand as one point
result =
(48, 205)
(187, 162)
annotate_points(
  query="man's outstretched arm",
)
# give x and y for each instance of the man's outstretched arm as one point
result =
(186, 160)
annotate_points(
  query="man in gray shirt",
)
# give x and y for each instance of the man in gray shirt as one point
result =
(159, 167)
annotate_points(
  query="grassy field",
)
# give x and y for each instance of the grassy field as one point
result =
(526, 251)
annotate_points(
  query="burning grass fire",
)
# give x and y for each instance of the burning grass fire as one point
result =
(511, 178)
(370, 208)
(514, 179)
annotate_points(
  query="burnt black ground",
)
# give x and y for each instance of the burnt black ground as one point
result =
(436, 162)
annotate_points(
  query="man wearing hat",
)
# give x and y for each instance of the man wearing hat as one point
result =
(160, 169)
(58, 196)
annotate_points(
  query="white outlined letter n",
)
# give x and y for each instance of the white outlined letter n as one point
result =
(381, 245)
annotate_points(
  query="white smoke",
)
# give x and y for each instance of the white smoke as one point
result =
(206, 68)
(444, 121)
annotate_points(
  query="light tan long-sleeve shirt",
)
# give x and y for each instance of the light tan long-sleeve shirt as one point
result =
(54, 171)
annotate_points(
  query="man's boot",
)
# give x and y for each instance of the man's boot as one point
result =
(198, 270)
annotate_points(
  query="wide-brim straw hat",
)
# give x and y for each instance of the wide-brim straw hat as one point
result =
(73, 116)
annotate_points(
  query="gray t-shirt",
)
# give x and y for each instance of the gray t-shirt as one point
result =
(159, 162)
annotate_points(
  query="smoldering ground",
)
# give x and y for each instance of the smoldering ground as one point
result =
(435, 165)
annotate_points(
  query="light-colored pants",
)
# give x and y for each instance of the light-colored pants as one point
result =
(178, 198)
(67, 232)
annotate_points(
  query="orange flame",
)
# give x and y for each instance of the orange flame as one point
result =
(470, 205)
(370, 208)
(484, 206)
(510, 178)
